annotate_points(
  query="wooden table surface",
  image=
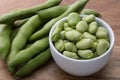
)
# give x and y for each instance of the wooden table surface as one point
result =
(110, 10)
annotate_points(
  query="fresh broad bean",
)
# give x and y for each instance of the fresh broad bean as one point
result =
(84, 44)
(26, 54)
(101, 33)
(67, 27)
(25, 13)
(73, 18)
(59, 45)
(62, 35)
(94, 46)
(69, 46)
(57, 32)
(5, 32)
(90, 11)
(102, 46)
(72, 35)
(93, 27)
(90, 36)
(85, 54)
(89, 18)
(45, 30)
(82, 26)
(37, 61)
(70, 54)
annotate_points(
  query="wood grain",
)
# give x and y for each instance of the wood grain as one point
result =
(110, 13)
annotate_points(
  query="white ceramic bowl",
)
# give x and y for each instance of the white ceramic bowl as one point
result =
(82, 67)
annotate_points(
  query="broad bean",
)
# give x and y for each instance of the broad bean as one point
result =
(70, 54)
(84, 44)
(59, 45)
(82, 26)
(67, 27)
(93, 27)
(85, 54)
(73, 18)
(94, 46)
(90, 36)
(101, 33)
(102, 46)
(89, 18)
(62, 35)
(72, 35)
(69, 46)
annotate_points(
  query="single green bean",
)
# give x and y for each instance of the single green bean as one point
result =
(59, 45)
(93, 27)
(70, 54)
(85, 54)
(31, 65)
(69, 46)
(5, 32)
(73, 18)
(26, 54)
(102, 46)
(82, 26)
(25, 13)
(84, 44)
(72, 35)
(45, 30)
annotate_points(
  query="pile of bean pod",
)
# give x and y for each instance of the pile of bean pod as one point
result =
(24, 34)
(80, 37)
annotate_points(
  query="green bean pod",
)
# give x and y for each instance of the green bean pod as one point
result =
(25, 13)
(90, 11)
(5, 32)
(26, 54)
(45, 30)
(31, 65)
(52, 12)
(23, 34)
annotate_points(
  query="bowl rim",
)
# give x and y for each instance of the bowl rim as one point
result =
(109, 29)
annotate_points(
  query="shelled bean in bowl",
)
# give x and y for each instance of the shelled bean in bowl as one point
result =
(81, 45)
